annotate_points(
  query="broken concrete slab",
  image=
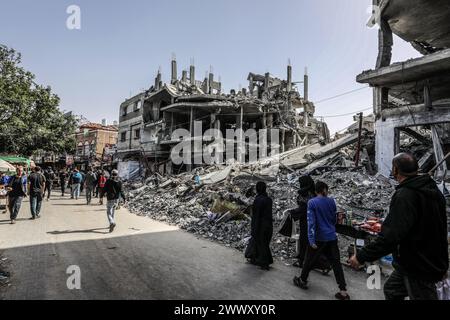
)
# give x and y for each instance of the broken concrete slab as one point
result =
(215, 177)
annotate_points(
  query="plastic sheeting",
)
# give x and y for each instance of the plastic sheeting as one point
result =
(130, 170)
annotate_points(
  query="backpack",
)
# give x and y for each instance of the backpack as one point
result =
(102, 182)
(76, 178)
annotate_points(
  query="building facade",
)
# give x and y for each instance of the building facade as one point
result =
(130, 127)
(92, 140)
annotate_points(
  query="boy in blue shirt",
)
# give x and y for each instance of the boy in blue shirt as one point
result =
(322, 219)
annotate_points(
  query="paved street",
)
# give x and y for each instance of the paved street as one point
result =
(143, 259)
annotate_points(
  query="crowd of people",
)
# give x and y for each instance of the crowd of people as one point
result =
(39, 184)
(414, 232)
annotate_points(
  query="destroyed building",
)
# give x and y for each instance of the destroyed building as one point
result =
(412, 98)
(148, 120)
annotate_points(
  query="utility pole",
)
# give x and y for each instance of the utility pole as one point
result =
(358, 149)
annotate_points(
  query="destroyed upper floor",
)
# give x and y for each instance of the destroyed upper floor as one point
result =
(425, 80)
(424, 23)
(268, 102)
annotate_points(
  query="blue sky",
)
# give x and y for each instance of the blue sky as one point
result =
(122, 44)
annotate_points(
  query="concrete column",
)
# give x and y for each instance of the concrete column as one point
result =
(192, 75)
(210, 82)
(174, 71)
(251, 85)
(306, 85)
(206, 87)
(289, 78)
(241, 136)
(264, 120)
(270, 121)
(158, 81)
(266, 82)
(191, 130)
(385, 145)
(427, 97)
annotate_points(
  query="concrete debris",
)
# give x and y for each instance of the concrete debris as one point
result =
(222, 211)
(215, 177)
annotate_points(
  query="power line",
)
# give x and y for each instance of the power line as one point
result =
(341, 95)
(345, 114)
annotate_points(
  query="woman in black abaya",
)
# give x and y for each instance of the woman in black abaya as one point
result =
(262, 227)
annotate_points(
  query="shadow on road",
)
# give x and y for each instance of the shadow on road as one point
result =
(9, 221)
(69, 204)
(98, 230)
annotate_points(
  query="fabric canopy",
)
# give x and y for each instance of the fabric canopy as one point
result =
(16, 160)
(6, 166)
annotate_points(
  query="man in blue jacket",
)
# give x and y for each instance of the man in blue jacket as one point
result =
(77, 179)
(322, 219)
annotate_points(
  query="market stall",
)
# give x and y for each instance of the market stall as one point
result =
(19, 161)
(6, 169)
(361, 228)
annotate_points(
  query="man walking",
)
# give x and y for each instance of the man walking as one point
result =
(415, 232)
(97, 185)
(49, 179)
(17, 190)
(62, 181)
(83, 180)
(101, 186)
(89, 185)
(322, 219)
(76, 184)
(36, 185)
(113, 190)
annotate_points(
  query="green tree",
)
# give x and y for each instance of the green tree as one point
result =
(30, 119)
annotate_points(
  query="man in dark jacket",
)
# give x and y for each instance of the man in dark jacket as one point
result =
(36, 185)
(262, 227)
(415, 231)
(62, 181)
(49, 179)
(17, 190)
(89, 184)
(113, 190)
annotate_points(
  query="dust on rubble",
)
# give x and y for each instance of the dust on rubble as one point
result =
(220, 210)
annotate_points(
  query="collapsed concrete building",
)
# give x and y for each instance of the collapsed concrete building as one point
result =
(412, 98)
(148, 120)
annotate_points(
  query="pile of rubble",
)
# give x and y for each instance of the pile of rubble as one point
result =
(215, 203)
